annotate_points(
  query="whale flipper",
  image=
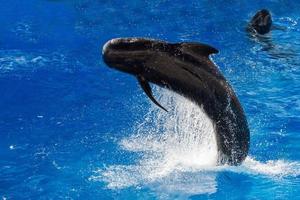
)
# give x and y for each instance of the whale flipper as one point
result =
(147, 89)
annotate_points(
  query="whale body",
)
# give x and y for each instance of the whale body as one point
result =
(186, 69)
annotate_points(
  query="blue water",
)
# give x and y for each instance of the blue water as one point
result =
(71, 128)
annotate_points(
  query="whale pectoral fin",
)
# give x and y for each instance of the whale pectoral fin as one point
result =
(147, 89)
(198, 48)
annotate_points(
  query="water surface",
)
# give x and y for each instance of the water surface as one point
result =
(71, 128)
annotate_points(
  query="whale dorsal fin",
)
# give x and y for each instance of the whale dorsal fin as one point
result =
(147, 89)
(195, 49)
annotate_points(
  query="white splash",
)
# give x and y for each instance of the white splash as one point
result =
(182, 138)
(179, 153)
(271, 168)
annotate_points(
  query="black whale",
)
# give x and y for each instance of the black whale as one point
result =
(261, 22)
(186, 69)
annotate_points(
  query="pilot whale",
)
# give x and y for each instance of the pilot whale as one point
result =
(186, 69)
(261, 22)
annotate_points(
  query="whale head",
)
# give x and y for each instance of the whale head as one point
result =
(129, 55)
(261, 22)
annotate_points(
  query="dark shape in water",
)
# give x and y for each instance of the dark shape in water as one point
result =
(186, 69)
(261, 22)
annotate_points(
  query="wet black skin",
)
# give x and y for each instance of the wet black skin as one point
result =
(261, 22)
(186, 69)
